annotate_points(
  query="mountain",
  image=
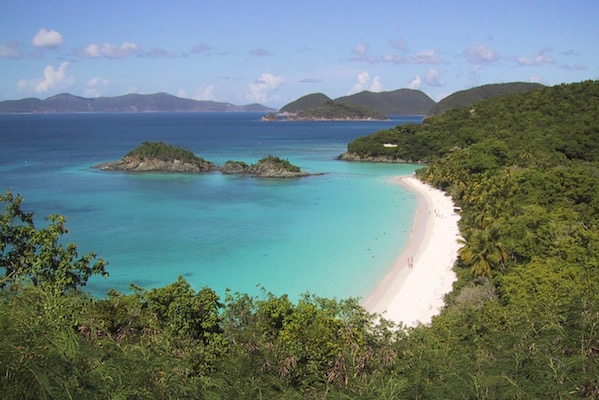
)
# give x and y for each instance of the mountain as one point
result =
(158, 102)
(465, 98)
(308, 102)
(397, 102)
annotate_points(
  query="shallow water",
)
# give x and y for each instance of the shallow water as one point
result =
(334, 234)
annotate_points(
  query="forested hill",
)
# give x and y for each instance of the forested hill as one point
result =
(559, 122)
(521, 322)
(397, 102)
(158, 102)
(465, 98)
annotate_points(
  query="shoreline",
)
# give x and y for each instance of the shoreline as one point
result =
(412, 291)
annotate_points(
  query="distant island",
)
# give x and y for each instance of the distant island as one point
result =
(158, 102)
(161, 157)
(332, 111)
(316, 106)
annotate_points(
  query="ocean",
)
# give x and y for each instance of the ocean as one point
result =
(333, 235)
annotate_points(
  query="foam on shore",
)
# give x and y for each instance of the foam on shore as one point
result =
(412, 291)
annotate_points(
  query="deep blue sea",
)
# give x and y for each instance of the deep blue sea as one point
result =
(334, 234)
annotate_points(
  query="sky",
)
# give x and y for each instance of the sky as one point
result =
(274, 52)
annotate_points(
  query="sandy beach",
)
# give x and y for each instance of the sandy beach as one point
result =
(412, 291)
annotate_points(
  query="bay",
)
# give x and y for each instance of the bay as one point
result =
(334, 234)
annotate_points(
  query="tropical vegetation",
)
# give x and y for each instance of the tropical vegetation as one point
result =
(521, 323)
(164, 152)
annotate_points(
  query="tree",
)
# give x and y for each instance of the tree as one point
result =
(36, 255)
(483, 252)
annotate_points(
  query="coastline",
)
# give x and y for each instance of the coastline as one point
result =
(412, 291)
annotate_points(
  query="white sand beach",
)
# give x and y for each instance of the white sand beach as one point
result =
(412, 291)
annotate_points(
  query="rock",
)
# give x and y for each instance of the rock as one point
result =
(235, 167)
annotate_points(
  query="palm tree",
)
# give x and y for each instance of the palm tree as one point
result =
(483, 252)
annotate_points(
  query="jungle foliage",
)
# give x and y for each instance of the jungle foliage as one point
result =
(164, 152)
(522, 321)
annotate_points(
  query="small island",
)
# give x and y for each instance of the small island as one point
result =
(161, 157)
(267, 167)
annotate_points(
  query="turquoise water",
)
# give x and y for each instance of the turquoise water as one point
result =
(334, 234)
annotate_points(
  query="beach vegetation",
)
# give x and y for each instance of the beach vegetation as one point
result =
(520, 323)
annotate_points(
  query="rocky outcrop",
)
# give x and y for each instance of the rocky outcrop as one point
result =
(137, 164)
(268, 167)
(234, 168)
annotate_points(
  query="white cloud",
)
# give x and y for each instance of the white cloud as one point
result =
(416, 83)
(10, 50)
(204, 93)
(540, 58)
(52, 79)
(45, 39)
(111, 51)
(95, 86)
(260, 90)
(481, 54)
(365, 83)
(432, 77)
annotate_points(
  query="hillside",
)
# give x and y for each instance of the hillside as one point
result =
(340, 111)
(158, 102)
(305, 103)
(465, 98)
(397, 102)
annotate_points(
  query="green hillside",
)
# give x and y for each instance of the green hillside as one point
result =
(465, 98)
(522, 321)
(340, 111)
(397, 102)
(305, 103)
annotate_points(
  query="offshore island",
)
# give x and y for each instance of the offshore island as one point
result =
(161, 157)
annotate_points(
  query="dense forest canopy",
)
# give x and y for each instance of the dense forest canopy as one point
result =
(522, 321)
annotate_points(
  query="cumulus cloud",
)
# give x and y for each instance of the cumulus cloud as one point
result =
(481, 54)
(416, 83)
(10, 50)
(111, 50)
(261, 90)
(47, 39)
(540, 58)
(53, 78)
(431, 78)
(365, 83)
(204, 93)
(95, 86)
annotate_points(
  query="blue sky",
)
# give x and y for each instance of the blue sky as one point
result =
(273, 52)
